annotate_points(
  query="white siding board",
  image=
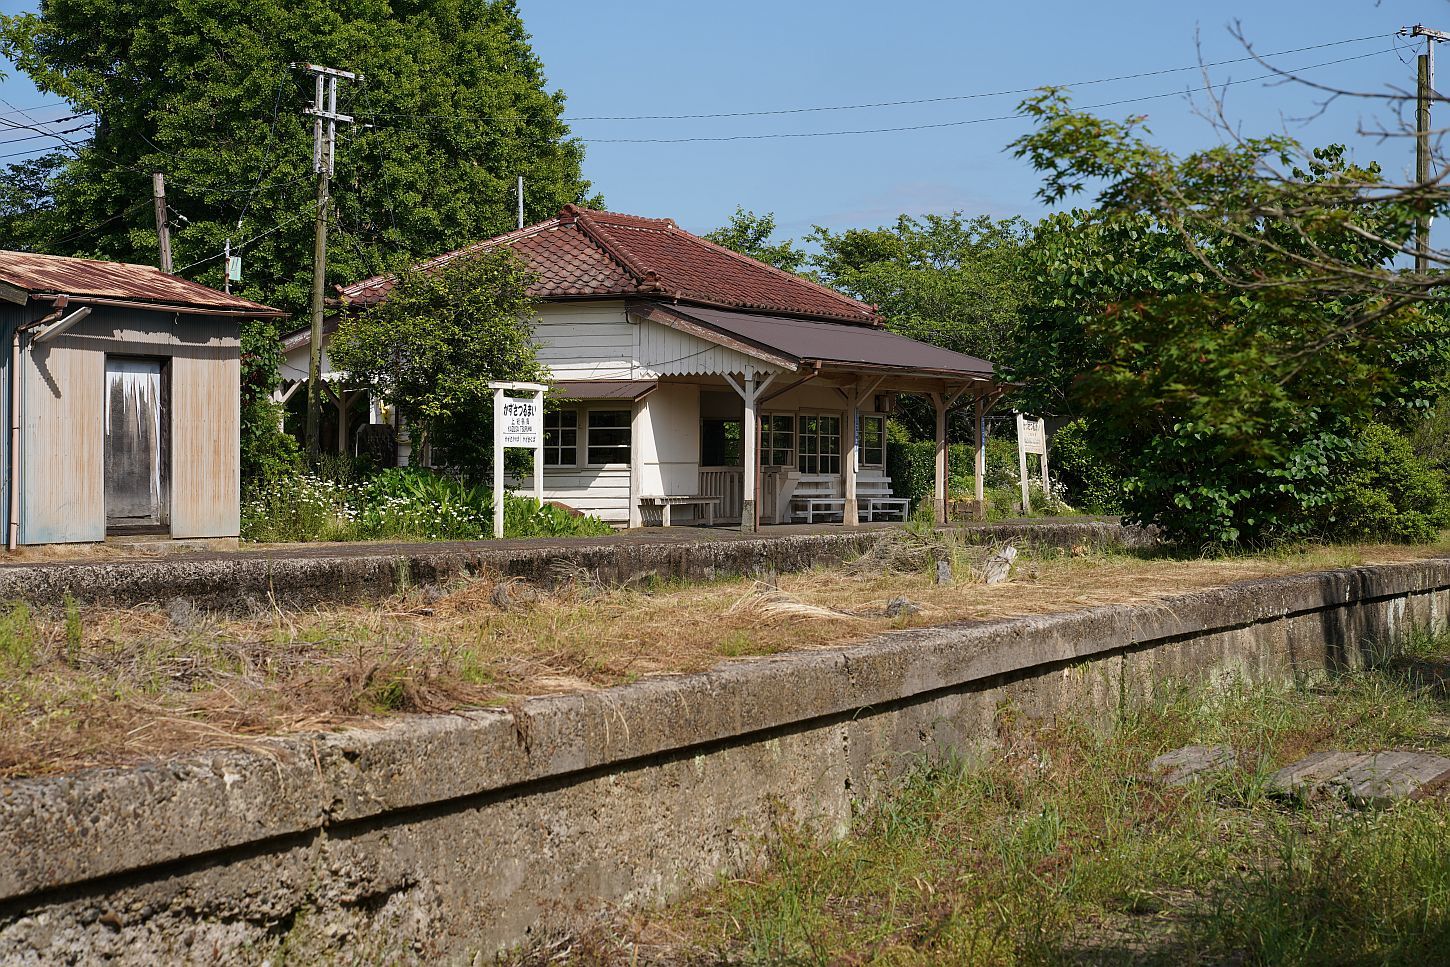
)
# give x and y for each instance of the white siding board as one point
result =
(585, 341)
(601, 491)
(668, 352)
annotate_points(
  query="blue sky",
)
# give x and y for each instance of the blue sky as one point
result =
(651, 57)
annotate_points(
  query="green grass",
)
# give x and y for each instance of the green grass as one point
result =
(1056, 848)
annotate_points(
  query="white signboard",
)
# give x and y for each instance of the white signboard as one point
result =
(517, 422)
(1033, 434)
(1031, 438)
(521, 421)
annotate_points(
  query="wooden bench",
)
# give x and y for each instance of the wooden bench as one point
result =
(706, 507)
(815, 498)
(873, 498)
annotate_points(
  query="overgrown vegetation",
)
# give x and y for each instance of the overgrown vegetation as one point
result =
(1230, 323)
(88, 685)
(1056, 846)
(395, 504)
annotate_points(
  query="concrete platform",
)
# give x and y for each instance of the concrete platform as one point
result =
(302, 575)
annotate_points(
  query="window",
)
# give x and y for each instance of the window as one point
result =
(819, 443)
(873, 441)
(561, 438)
(608, 436)
(777, 440)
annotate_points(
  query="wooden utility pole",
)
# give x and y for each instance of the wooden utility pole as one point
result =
(163, 230)
(324, 147)
(1424, 97)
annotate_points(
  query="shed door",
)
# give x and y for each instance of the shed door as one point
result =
(136, 446)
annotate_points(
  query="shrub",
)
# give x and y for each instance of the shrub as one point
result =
(266, 451)
(911, 465)
(1090, 478)
(399, 503)
(1385, 492)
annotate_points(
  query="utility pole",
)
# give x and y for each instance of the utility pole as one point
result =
(163, 230)
(521, 201)
(324, 145)
(1424, 96)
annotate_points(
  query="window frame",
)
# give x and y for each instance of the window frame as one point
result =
(589, 429)
(817, 451)
(558, 446)
(770, 436)
(879, 418)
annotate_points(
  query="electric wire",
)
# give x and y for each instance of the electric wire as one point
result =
(896, 129)
(33, 107)
(90, 228)
(241, 245)
(910, 101)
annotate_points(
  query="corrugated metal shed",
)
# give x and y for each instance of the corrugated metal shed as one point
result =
(42, 275)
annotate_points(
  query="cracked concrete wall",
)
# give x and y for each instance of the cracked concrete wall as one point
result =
(439, 838)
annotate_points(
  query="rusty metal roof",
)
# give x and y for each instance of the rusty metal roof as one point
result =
(52, 275)
(831, 343)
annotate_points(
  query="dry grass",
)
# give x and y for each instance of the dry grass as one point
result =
(97, 686)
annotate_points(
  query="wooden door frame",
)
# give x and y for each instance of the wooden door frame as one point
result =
(163, 446)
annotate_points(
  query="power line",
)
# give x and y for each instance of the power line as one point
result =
(90, 228)
(35, 107)
(939, 124)
(33, 137)
(241, 245)
(907, 102)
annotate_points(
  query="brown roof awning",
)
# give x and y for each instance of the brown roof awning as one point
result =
(603, 389)
(832, 343)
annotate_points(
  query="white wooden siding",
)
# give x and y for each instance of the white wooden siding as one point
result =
(601, 491)
(596, 340)
(586, 341)
(663, 351)
(670, 448)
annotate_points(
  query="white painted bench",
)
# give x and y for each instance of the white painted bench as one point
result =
(873, 497)
(816, 498)
(706, 507)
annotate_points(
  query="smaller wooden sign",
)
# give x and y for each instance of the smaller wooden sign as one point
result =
(1033, 434)
(1031, 438)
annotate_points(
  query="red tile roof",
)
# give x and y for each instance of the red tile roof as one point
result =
(121, 281)
(583, 253)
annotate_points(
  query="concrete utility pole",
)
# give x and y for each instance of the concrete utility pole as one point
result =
(521, 201)
(324, 145)
(1424, 96)
(163, 230)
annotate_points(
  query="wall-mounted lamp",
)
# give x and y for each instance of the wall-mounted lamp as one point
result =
(60, 325)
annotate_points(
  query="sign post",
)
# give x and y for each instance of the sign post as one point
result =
(1031, 438)
(517, 422)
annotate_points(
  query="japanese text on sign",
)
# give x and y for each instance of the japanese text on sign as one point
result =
(1034, 437)
(521, 422)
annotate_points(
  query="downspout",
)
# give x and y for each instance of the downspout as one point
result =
(12, 540)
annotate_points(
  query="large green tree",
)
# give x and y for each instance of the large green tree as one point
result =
(452, 107)
(949, 280)
(432, 347)
(1230, 322)
(750, 234)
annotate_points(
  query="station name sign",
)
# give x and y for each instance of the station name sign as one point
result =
(521, 422)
